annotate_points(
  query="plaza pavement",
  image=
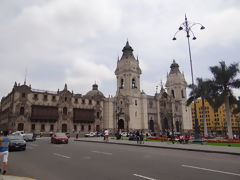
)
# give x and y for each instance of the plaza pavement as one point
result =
(167, 145)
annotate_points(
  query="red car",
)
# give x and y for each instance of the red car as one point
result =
(58, 138)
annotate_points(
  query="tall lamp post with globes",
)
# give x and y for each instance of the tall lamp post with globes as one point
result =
(187, 27)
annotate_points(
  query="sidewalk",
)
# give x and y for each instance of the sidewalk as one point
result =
(167, 145)
(7, 177)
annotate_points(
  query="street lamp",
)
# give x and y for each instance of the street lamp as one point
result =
(187, 27)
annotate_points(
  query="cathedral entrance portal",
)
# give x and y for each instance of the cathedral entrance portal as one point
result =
(120, 124)
(151, 126)
(64, 127)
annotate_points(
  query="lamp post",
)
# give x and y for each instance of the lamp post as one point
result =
(187, 27)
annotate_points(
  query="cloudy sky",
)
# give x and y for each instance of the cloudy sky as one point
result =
(53, 42)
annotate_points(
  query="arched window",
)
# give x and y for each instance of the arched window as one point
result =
(22, 111)
(133, 83)
(122, 84)
(65, 111)
(173, 95)
(182, 94)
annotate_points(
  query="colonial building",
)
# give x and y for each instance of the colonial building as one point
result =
(25, 108)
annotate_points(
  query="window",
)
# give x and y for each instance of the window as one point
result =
(76, 100)
(122, 84)
(51, 127)
(22, 111)
(90, 101)
(83, 101)
(97, 114)
(42, 127)
(23, 95)
(82, 128)
(45, 97)
(133, 83)
(33, 127)
(65, 111)
(136, 102)
(53, 98)
(151, 104)
(65, 99)
(173, 95)
(98, 102)
(182, 94)
(35, 96)
(89, 127)
(75, 127)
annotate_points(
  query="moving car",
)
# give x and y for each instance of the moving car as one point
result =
(16, 142)
(58, 138)
(29, 137)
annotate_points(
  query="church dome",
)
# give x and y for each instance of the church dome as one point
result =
(94, 93)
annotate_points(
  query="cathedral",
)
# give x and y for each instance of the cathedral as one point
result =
(32, 110)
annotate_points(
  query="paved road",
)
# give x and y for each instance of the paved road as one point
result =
(89, 161)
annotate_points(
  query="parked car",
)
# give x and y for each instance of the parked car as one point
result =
(16, 142)
(124, 134)
(29, 137)
(91, 134)
(58, 138)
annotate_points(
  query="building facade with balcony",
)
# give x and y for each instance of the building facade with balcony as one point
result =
(130, 109)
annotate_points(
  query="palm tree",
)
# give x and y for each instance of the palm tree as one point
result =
(224, 79)
(197, 91)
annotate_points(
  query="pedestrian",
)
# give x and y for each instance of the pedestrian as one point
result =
(106, 132)
(76, 135)
(4, 143)
(137, 136)
(141, 137)
(146, 136)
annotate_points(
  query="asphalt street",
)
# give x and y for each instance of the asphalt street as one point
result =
(89, 161)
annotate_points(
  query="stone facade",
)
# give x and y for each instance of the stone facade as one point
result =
(130, 109)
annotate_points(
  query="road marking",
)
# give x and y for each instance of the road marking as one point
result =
(60, 155)
(33, 145)
(145, 177)
(98, 152)
(212, 170)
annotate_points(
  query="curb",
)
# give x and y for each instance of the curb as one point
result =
(163, 147)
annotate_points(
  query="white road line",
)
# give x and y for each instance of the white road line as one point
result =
(60, 155)
(145, 177)
(33, 145)
(212, 170)
(106, 153)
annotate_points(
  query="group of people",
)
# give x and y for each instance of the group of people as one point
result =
(179, 138)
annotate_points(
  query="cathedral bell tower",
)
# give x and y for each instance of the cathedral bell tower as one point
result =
(128, 72)
(176, 87)
(129, 98)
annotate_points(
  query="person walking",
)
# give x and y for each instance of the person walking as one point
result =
(4, 142)
(106, 132)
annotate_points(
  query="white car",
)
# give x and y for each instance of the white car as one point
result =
(20, 133)
(124, 134)
(91, 134)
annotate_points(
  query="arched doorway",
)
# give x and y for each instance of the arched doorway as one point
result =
(20, 126)
(151, 126)
(64, 127)
(120, 124)
(97, 128)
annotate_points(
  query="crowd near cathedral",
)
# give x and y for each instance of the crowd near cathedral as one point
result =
(31, 110)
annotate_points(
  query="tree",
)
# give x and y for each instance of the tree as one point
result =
(200, 91)
(224, 79)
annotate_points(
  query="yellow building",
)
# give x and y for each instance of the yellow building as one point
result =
(216, 121)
